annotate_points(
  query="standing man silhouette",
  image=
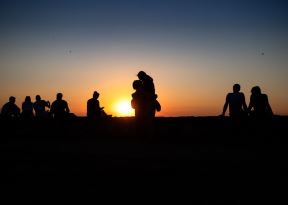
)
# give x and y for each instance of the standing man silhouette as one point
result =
(236, 102)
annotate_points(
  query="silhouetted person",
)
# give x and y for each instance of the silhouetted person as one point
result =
(236, 102)
(39, 107)
(138, 102)
(147, 81)
(93, 107)
(27, 108)
(259, 105)
(59, 108)
(10, 109)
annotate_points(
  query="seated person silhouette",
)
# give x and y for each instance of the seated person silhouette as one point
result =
(93, 107)
(259, 105)
(27, 108)
(236, 102)
(39, 107)
(59, 108)
(10, 109)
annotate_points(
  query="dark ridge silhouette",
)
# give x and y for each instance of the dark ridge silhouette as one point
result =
(236, 102)
(69, 159)
(259, 106)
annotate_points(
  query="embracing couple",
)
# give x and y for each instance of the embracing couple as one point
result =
(144, 99)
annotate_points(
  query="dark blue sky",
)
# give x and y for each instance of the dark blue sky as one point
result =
(142, 16)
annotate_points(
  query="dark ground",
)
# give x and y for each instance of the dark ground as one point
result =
(41, 160)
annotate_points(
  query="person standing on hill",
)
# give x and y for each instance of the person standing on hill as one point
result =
(59, 108)
(236, 102)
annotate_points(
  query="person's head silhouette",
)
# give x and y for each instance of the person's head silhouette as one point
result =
(137, 84)
(59, 96)
(27, 99)
(38, 97)
(12, 99)
(256, 90)
(236, 88)
(141, 75)
(95, 95)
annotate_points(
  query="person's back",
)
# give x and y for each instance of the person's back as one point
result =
(10, 109)
(259, 103)
(59, 107)
(236, 102)
(27, 108)
(39, 107)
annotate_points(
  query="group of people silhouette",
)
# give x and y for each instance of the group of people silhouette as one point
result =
(259, 106)
(58, 109)
(144, 102)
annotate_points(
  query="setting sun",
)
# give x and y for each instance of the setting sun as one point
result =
(124, 108)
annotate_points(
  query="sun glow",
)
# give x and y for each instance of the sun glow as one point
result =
(124, 108)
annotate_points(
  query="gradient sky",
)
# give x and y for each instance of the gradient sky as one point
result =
(194, 49)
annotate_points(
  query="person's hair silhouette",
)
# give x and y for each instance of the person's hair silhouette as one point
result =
(27, 108)
(59, 108)
(147, 81)
(93, 107)
(10, 109)
(236, 102)
(259, 105)
(39, 107)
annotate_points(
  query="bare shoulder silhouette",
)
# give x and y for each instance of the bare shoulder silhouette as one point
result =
(59, 108)
(236, 102)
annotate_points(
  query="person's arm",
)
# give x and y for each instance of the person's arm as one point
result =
(67, 108)
(225, 105)
(244, 104)
(251, 104)
(268, 105)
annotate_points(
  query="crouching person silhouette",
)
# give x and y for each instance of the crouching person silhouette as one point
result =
(94, 111)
